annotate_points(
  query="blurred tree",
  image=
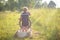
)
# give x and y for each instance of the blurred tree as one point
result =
(27, 3)
(52, 4)
(16, 4)
(38, 3)
(1, 6)
(11, 4)
(44, 5)
(22, 3)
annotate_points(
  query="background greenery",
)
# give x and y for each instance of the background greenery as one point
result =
(13, 5)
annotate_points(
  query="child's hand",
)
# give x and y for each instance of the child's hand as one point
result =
(24, 29)
(18, 18)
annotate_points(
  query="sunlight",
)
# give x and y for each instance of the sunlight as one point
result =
(6, 0)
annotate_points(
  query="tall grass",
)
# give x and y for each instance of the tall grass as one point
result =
(45, 21)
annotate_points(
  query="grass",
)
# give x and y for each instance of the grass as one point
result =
(45, 21)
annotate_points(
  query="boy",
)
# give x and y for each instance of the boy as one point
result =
(24, 20)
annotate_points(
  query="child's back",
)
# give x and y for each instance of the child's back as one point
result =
(25, 22)
(25, 19)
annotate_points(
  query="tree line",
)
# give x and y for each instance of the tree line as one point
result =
(18, 4)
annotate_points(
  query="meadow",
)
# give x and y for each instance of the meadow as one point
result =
(45, 21)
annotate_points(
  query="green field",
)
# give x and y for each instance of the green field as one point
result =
(45, 21)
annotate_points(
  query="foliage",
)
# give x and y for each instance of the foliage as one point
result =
(18, 4)
(52, 4)
(1, 6)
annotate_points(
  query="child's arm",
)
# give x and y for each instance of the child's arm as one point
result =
(29, 20)
(29, 23)
(20, 21)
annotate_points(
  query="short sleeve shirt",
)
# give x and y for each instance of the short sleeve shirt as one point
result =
(25, 18)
